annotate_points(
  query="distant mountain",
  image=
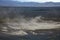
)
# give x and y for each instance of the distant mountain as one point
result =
(28, 4)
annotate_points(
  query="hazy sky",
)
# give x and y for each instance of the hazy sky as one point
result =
(39, 0)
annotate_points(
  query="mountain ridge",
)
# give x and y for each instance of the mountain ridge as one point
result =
(28, 4)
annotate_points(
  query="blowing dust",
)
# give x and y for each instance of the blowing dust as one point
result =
(17, 26)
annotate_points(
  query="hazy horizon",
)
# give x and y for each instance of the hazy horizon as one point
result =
(39, 1)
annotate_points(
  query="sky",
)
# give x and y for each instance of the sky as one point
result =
(38, 0)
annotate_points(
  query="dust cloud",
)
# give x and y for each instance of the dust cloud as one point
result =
(18, 25)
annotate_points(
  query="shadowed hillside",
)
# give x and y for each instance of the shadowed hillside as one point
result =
(45, 12)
